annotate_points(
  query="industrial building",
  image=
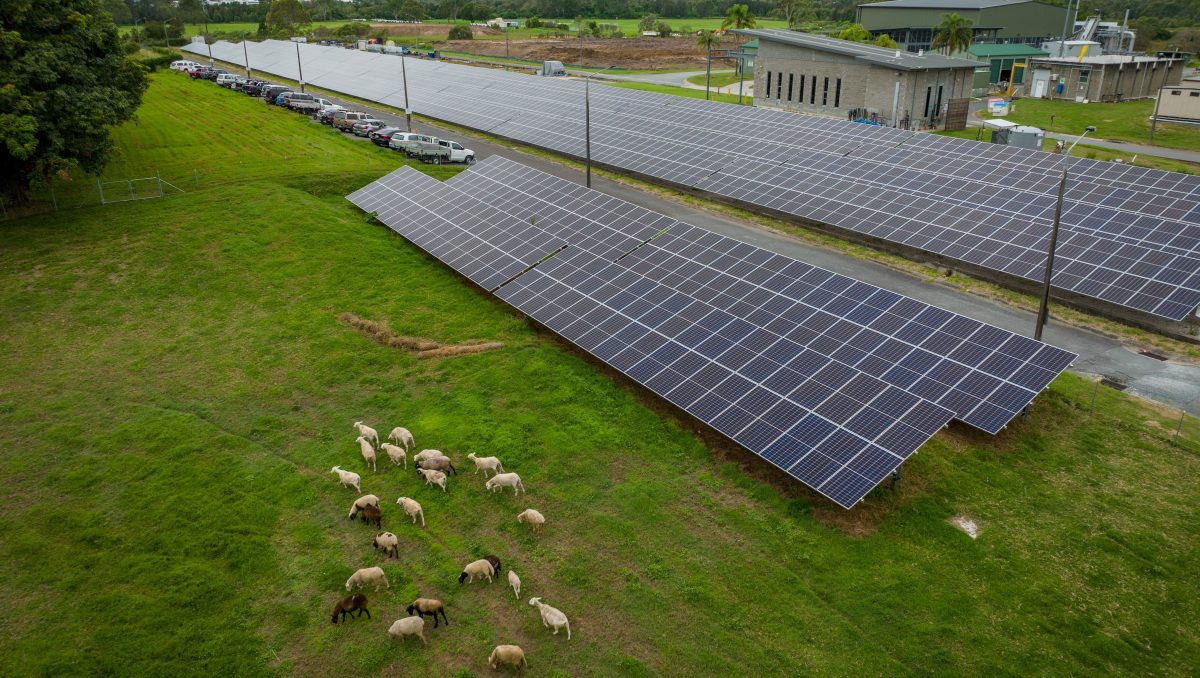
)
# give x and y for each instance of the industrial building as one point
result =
(1180, 104)
(826, 76)
(1006, 63)
(1107, 78)
(910, 22)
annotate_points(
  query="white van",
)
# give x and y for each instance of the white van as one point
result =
(226, 79)
(412, 144)
(183, 65)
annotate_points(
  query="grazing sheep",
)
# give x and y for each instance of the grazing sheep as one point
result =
(361, 503)
(388, 542)
(367, 432)
(349, 605)
(486, 464)
(478, 568)
(534, 518)
(495, 564)
(409, 626)
(515, 582)
(372, 515)
(507, 654)
(428, 607)
(437, 464)
(396, 454)
(426, 454)
(552, 617)
(368, 575)
(368, 452)
(412, 508)
(503, 480)
(402, 436)
(434, 478)
(347, 478)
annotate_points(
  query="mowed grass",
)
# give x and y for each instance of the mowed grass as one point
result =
(174, 387)
(1126, 121)
(1095, 153)
(682, 91)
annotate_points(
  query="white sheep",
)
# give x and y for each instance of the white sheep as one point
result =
(368, 452)
(367, 432)
(477, 568)
(503, 480)
(412, 508)
(361, 503)
(552, 617)
(433, 477)
(388, 542)
(426, 454)
(347, 478)
(403, 437)
(395, 453)
(533, 517)
(409, 626)
(486, 464)
(515, 582)
(368, 575)
(507, 654)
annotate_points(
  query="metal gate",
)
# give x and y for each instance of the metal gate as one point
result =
(956, 113)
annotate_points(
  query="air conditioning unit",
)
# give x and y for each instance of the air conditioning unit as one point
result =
(1054, 76)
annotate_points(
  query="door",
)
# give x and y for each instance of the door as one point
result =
(1039, 89)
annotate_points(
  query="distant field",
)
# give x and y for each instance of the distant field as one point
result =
(630, 26)
(175, 386)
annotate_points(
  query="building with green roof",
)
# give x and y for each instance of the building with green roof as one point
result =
(1003, 58)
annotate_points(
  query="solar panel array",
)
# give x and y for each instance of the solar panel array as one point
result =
(832, 380)
(1131, 236)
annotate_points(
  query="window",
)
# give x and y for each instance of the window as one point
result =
(779, 87)
(837, 94)
(812, 97)
(928, 99)
(937, 109)
(767, 92)
(825, 93)
(791, 77)
(801, 97)
(1194, 94)
(1176, 93)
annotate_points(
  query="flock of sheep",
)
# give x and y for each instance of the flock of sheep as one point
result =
(432, 465)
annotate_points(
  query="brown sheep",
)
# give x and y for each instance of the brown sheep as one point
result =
(372, 514)
(348, 606)
(428, 607)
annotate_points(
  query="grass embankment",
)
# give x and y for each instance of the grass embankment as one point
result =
(1127, 121)
(1096, 153)
(719, 79)
(175, 385)
(681, 91)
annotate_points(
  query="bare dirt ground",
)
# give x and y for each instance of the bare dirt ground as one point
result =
(631, 53)
(438, 31)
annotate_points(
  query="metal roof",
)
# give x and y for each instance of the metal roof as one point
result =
(945, 4)
(999, 50)
(878, 56)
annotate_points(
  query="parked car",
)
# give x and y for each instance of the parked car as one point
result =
(213, 73)
(344, 120)
(269, 92)
(198, 72)
(383, 136)
(364, 127)
(254, 87)
(183, 65)
(413, 145)
(282, 98)
(454, 152)
(226, 79)
(302, 103)
(325, 117)
(274, 94)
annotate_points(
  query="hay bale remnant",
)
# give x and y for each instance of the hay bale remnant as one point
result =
(381, 334)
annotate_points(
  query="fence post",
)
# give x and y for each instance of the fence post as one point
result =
(53, 198)
(100, 190)
(158, 176)
(1182, 414)
(129, 182)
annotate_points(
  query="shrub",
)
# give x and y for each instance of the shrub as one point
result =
(664, 29)
(461, 32)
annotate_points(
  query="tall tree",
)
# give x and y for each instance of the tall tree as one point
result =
(954, 34)
(192, 11)
(119, 10)
(793, 11)
(738, 16)
(707, 40)
(288, 16)
(64, 80)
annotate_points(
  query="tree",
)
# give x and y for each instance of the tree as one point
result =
(885, 40)
(322, 7)
(412, 10)
(793, 11)
(738, 16)
(461, 32)
(647, 23)
(664, 29)
(288, 16)
(855, 33)
(707, 40)
(119, 10)
(192, 11)
(954, 34)
(67, 80)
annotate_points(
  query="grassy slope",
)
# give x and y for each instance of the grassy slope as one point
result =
(1097, 153)
(174, 388)
(1126, 121)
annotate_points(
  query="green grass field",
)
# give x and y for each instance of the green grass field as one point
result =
(681, 91)
(719, 79)
(1097, 153)
(174, 387)
(1126, 121)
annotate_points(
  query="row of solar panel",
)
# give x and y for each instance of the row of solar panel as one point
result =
(1125, 268)
(832, 380)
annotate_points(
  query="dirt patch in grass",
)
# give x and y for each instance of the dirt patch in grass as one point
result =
(631, 53)
(423, 348)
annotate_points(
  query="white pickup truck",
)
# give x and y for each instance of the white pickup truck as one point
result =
(431, 149)
(450, 151)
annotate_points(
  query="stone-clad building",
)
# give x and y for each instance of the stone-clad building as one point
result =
(825, 76)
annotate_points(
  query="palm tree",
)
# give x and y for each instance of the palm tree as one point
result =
(708, 40)
(954, 34)
(738, 16)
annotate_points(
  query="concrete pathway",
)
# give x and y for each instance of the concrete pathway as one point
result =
(1174, 384)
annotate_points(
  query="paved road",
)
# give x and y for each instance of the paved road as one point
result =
(1170, 383)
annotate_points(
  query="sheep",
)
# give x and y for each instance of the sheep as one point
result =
(348, 606)
(503, 480)
(366, 432)
(515, 582)
(495, 564)
(426, 454)
(388, 542)
(428, 607)
(409, 626)
(401, 436)
(434, 478)
(368, 452)
(437, 464)
(412, 508)
(478, 568)
(486, 464)
(367, 575)
(533, 517)
(347, 478)
(372, 514)
(361, 503)
(396, 454)
(552, 617)
(507, 654)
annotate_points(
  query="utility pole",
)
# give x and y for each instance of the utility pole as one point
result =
(708, 72)
(298, 66)
(246, 53)
(1154, 119)
(1044, 309)
(587, 126)
(407, 110)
